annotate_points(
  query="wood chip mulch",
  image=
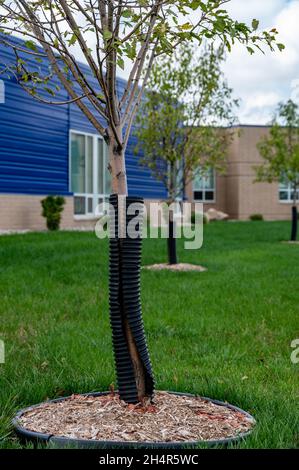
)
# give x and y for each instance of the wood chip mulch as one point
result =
(170, 417)
(176, 267)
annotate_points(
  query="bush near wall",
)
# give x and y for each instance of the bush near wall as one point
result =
(256, 217)
(52, 210)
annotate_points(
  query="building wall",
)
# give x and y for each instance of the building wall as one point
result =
(237, 193)
(34, 153)
(23, 212)
(34, 162)
(33, 141)
(251, 197)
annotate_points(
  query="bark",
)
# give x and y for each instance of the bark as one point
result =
(117, 163)
(119, 187)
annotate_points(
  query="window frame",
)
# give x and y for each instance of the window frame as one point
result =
(96, 138)
(203, 200)
(288, 189)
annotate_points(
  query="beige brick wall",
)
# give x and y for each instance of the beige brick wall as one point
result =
(261, 198)
(22, 212)
(236, 192)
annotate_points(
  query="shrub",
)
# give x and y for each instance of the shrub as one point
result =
(256, 217)
(205, 219)
(52, 209)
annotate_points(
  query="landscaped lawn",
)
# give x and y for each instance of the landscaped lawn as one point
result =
(224, 334)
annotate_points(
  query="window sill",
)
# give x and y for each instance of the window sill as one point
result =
(204, 202)
(89, 218)
(287, 202)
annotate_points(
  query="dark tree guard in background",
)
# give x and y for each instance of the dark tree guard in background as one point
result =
(294, 223)
(125, 304)
(171, 241)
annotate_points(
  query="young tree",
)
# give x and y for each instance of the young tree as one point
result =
(179, 123)
(280, 151)
(108, 32)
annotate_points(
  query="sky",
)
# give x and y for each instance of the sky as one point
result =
(261, 81)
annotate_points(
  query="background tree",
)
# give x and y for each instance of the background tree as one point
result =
(108, 32)
(180, 121)
(280, 151)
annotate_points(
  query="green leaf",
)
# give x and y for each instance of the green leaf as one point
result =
(107, 34)
(255, 24)
(49, 90)
(281, 47)
(31, 45)
(101, 97)
(185, 26)
(250, 50)
(121, 63)
(73, 40)
(197, 3)
(126, 14)
(130, 51)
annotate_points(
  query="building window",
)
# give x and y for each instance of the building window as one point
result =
(286, 193)
(90, 179)
(204, 186)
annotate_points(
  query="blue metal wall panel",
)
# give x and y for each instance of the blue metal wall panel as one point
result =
(34, 143)
(33, 140)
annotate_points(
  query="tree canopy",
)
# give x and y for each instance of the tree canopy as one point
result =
(180, 123)
(107, 33)
(280, 150)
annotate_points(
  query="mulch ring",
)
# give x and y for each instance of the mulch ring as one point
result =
(170, 418)
(184, 267)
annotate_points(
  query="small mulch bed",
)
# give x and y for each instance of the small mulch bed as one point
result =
(176, 267)
(170, 418)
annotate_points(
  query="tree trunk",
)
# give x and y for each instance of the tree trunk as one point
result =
(117, 165)
(133, 367)
(171, 241)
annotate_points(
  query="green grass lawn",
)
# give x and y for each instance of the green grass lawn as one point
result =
(224, 334)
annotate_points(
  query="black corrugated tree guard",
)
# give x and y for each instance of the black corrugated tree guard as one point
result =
(171, 241)
(138, 31)
(294, 223)
(134, 372)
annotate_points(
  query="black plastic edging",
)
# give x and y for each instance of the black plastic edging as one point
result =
(63, 442)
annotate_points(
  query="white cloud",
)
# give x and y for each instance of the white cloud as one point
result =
(271, 75)
(260, 81)
(259, 105)
(264, 10)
